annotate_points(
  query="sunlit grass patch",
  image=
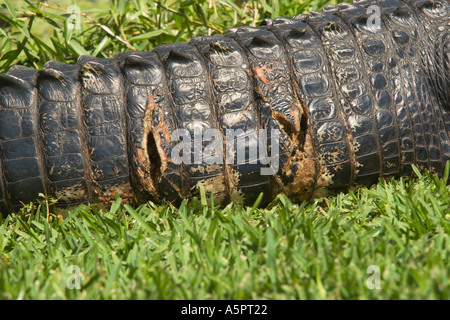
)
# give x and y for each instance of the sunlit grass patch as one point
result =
(322, 250)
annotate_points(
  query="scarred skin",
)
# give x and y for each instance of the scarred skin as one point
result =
(352, 104)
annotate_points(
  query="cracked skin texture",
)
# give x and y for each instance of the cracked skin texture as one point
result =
(352, 104)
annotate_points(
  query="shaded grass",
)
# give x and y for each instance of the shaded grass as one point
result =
(285, 251)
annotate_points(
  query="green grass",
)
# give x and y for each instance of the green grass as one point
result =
(285, 251)
(197, 251)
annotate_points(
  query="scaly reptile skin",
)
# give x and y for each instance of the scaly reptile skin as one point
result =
(353, 104)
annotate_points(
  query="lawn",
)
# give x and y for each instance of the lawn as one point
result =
(390, 241)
